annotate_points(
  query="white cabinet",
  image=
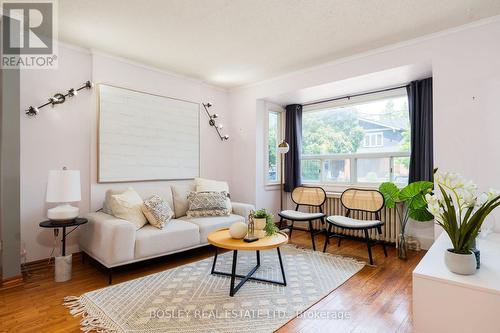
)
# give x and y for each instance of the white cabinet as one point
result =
(448, 302)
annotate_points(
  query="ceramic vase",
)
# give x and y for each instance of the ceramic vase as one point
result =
(464, 264)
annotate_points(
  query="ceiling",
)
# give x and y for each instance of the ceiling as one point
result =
(231, 43)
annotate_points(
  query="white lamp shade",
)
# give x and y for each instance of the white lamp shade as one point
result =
(64, 186)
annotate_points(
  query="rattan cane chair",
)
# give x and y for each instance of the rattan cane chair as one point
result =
(361, 200)
(305, 196)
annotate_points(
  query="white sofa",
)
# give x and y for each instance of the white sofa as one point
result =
(115, 242)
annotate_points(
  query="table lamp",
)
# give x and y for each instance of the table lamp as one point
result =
(63, 187)
(283, 148)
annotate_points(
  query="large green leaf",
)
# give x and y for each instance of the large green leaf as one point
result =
(414, 189)
(420, 214)
(390, 193)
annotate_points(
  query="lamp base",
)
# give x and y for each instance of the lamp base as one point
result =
(63, 212)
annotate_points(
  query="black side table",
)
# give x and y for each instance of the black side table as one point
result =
(63, 224)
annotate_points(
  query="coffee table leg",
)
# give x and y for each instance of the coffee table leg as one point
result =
(215, 261)
(281, 266)
(249, 276)
(233, 272)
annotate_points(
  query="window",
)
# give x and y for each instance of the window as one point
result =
(274, 137)
(373, 140)
(364, 140)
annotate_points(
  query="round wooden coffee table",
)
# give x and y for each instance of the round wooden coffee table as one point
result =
(222, 239)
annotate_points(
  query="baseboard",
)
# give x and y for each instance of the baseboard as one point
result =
(14, 281)
(42, 263)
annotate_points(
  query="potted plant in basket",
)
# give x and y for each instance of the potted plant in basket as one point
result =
(460, 211)
(408, 202)
(264, 223)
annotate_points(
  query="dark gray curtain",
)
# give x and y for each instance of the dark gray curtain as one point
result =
(293, 136)
(420, 105)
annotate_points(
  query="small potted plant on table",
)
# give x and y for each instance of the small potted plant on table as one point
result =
(264, 223)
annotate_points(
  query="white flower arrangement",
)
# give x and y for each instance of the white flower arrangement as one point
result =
(460, 209)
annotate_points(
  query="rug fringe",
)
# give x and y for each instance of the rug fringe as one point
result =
(89, 323)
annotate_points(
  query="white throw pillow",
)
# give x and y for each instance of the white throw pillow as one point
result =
(128, 206)
(209, 185)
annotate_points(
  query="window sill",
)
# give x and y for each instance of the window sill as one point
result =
(272, 187)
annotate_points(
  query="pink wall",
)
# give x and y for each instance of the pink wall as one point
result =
(466, 71)
(66, 135)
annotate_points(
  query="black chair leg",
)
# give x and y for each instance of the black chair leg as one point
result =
(369, 246)
(291, 229)
(328, 231)
(379, 229)
(280, 226)
(311, 231)
(323, 223)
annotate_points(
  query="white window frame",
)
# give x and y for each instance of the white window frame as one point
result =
(353, 158)
(273, 108)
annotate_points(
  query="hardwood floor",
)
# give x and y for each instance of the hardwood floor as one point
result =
(377, 299)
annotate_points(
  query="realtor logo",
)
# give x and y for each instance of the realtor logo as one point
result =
(29, 34)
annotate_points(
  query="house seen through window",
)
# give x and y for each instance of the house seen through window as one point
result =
(364, 141)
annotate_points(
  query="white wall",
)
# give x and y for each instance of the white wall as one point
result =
(466, 72)
(66, 135)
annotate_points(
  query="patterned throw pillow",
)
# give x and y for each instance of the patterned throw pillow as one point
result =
(157, 211)
(207, 204)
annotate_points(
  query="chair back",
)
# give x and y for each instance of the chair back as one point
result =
(309, 196)
(362, 199)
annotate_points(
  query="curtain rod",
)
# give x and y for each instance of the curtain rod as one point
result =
(355, 95)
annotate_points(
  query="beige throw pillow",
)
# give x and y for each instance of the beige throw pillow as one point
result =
(209, 185)
(128, 206)
(207, 204)
(157, 211)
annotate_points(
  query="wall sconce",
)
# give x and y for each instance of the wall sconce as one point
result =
(58, 99)
(213, 123)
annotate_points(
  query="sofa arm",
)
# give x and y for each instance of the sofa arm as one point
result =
(242, 209)
(108, 239)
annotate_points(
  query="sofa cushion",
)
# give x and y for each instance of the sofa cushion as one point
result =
(210, 223)
(180, 193)
(175, 235)
(165, 192)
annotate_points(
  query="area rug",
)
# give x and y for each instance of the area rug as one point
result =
(189, 299)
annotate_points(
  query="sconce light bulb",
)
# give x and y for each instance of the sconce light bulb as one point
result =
(215, 115)
(221, 126)
(89, 84)
(226, 137)
(72, 92)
